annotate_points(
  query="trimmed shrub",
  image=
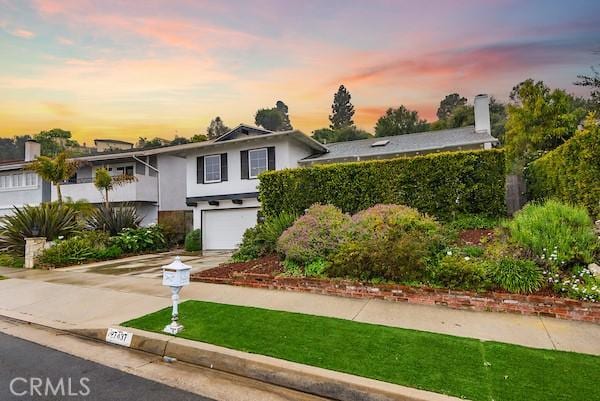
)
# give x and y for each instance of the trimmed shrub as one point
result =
(570, 172)
(440, 184)
(559, 233)
(391, 242)
(134, 240)
(84, 247)
(516, 275)
(262, 239)
(9, 260)
(193, 241)
(49, 220)
(315, 235)
(114, 219)
(462, 272)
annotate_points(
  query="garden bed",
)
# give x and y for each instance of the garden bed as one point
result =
(266, 273)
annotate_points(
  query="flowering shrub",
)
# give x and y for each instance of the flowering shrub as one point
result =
(134, 240)
(564, 229)
(315, 235)
(392, 242)
(581, 284)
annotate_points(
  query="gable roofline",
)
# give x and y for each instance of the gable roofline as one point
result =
(242, 125)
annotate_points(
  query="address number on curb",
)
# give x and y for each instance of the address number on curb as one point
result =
(120, 337)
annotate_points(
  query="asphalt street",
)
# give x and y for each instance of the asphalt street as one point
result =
(30, 371)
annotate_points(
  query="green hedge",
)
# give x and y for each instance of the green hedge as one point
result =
(442, 184)
(570, 173)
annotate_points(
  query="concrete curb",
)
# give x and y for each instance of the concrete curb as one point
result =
(307, 379)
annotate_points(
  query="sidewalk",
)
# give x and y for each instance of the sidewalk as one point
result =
(76, 300)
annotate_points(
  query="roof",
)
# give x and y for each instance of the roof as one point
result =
(113, 141)
(183, 148)
(400, 144)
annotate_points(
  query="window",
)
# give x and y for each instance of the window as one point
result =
(121, 170)
(212, 168)
(18, 180)
(257, 161)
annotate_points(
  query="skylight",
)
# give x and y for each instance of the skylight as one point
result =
(380, 143)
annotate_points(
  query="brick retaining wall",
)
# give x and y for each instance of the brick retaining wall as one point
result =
(542, 305)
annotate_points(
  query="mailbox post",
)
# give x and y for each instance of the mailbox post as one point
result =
(176, 275)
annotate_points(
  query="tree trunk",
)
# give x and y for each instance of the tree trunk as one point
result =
(58, 194)
(106, 202)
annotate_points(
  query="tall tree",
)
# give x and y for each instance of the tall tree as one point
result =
(448, 104)
(55, 141)
(274, 119)
(54, 170)
(286, 125)
(216, 128)
(400, 121)
(342, 109)
(13, 148)
(591, 81)
(539, 120)
(105, 182)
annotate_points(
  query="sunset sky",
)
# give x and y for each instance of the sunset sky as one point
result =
(125, 69)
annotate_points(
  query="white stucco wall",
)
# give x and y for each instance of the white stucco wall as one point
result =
(21, 196)
(287, 154)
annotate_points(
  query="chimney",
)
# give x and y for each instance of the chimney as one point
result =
(32, 150)
(482, 114)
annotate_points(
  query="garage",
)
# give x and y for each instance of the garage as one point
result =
(224, 228)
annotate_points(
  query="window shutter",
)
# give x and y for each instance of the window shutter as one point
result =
(271, 157)
(200, 170)
(223, 166)
(244, 160)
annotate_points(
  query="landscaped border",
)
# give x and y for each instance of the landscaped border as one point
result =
(541, 305)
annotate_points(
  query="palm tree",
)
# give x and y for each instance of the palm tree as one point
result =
(54, 170)
(105, 182)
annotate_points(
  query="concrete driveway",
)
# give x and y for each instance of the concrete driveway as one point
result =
(150, 265)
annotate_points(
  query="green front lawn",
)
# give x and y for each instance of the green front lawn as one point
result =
(456, 366)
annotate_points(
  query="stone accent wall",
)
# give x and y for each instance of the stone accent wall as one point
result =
(33, 246)
(542, 305)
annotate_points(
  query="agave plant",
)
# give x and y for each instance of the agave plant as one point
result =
(113, 219)
(50, 220)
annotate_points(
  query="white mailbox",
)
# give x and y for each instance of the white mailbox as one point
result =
(176, 275)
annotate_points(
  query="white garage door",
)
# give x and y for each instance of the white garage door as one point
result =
(223, 229)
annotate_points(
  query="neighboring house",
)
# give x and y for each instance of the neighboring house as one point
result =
(464, 138)
(106, 145)
(222, 178)
(19, 187)
(159, 184)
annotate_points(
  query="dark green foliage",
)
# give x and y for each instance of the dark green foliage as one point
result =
(515, 275)
(274, 119)
(342, 110)
(462, 272)
(193, 241)
(113, 219)
(571, 172)
(400, 121)
(463, 367)
(111, 252)
(591, 81)
(441, 185)
(557, 232)
(262, 239)
(448, 104)
(345, 134)
(134, 240)
(49, 220)
(391, 242)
